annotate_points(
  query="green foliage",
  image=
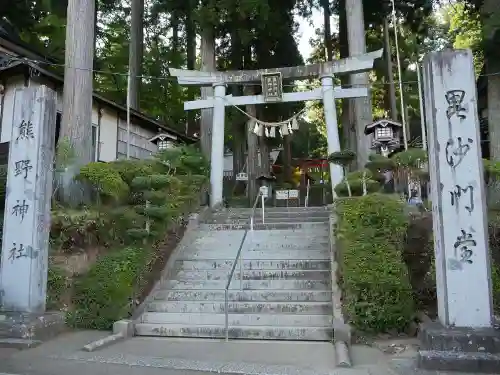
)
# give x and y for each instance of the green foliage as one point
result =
(106, 293)
(356, 187)
(56, 287)
(183, 160)
(371, 232)
(495, 281)
(492, 167)
(410, 159)
(154, 182)
(65, 154)
(359, 175)
(3, 185)
(380, 163)
(72, 230)
(130, 169)
(105, 179)
(342, 158)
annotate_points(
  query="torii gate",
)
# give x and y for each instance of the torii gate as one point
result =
(328, 93)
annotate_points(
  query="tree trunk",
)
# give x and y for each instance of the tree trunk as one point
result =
(265, 167)
(362, 106)
(346, 118)
(207, 65)
(390, 74)
(76, 129)
(95, 64)
(175, 32)
(136, 52)
(328, 31)
(190, 64)
(287, 158)
(493, 93)
(252, 141)
(238, 128)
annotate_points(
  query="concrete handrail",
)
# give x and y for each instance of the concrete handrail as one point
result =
(226, 297)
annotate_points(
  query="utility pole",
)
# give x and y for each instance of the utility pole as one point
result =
(362, 106)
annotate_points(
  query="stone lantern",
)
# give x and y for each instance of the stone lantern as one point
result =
(386, 135)
(163, 141)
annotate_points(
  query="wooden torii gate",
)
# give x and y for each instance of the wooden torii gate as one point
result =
(268, 77)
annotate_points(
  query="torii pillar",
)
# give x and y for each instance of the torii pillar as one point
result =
(327, 93)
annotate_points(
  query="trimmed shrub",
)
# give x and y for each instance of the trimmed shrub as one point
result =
(142, 202)
(106, 293)
(105, 179)
(130, 169)
(371, 232)
(356, 187)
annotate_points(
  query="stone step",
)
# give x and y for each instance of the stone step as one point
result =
(275, 320)
(271, 215)
(242, 332)
(258, 236)
(224, 264)
(244, 296)
(318, 231)
(270, 218)
(241, 307)
(260, 255)
(276, 209)
(260, 226)
(253, 275)
(247, 285)
(288, 245)
(288, 253)
(267, 220)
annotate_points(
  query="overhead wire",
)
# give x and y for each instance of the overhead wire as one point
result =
(172, 78)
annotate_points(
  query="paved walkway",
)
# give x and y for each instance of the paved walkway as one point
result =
(155, 356)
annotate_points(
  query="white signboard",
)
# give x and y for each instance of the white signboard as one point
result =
(287, 194)
(242, 177)
(264, 191)
(281, 194)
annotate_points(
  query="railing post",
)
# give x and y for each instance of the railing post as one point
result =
(262, 200)
(241, 273)
(306, 203)
(228, 283)
(226, 308)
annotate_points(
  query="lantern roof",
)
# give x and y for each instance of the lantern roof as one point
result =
(383, 123)
(162, 137)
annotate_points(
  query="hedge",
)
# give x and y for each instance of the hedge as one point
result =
(377, 292)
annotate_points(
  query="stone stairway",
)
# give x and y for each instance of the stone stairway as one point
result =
(280, 289)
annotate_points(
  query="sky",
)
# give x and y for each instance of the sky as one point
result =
(306, 31)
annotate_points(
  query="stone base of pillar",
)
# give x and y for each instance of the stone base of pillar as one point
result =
(459, 349)
(25, 330)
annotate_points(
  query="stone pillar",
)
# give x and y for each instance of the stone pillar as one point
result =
(24, 262)
(464, 338)
(217, 152)
(332, 129)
